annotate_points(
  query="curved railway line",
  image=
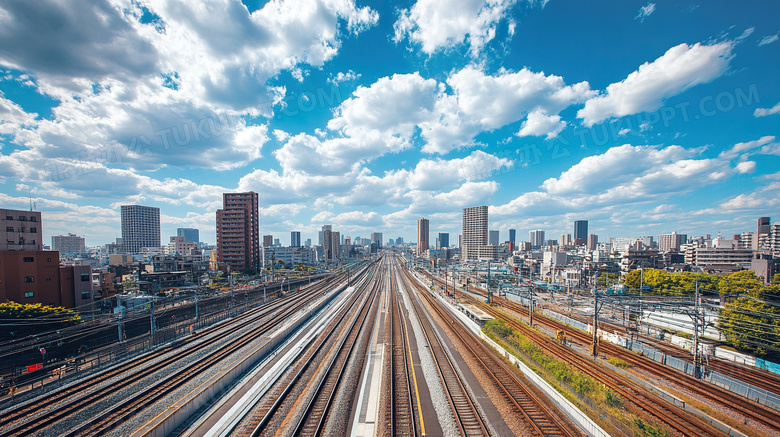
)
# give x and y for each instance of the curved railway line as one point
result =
(65, 402)
(673, 416)
(750, 409)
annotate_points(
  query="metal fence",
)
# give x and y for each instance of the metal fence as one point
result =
(759, 395)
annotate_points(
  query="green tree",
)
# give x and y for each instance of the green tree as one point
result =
(20, 320)
(607, 279)
(752, 323)
(739, 282)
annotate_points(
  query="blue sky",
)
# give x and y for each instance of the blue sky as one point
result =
(643, 118)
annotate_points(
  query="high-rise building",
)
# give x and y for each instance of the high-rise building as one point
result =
(475, 232)
(238, 231)
(190, 234)
(295, 239)
(444, 240)
(512, 238)
(423, 236)
(566, 240)
(593, 242)
(376, 237)
(537, 238)
(671, 242)
(774, 239)
(70, 243)
(746, 240)
(308, 242)
(581, 230)
(268, 240)
(761, 237)
(20, 230)
(331, 243)
(140, 227)
(493, 238)
(277, 243)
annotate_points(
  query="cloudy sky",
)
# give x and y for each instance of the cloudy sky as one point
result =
(643, 118)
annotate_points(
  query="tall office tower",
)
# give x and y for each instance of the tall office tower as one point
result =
(308, 242)
(268, 240)
(493, 238)
(20, 230)
(295, 239)
(475, 232)
(336, 244)
(376, 237)
(581, 230)
(238, 230)
(322, 233)
(423, 236)
(70, 243)
(537, 238)
(593, 242)
(566, 240)
(140, 227)
(331, 242)
(512, 238)
(444, 240)
(190, 234)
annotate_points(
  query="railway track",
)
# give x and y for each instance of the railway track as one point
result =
(748, 408)
(677, 419)
(65, 402)
(400, 414)
(287, 397)
(539, 418)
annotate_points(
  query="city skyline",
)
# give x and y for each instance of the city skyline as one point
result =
(644, 121)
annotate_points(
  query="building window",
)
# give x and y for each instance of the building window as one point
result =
(28, 294)
(9, 228)
(33, 229)
(29, 279)
(28, 259)
(9, 217)
(22, 218)
(33, 219)
(85, 295)
(85, 277)
(48, 260)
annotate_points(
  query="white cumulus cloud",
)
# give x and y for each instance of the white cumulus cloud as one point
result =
(681, 67)
(436, 24)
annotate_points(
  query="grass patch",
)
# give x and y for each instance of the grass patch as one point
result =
(554, 370)
(649, 430)
(617, 362)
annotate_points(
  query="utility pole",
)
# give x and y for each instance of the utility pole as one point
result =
(120, 324)
(488, 284)
(641, 286)
(197, 310)
(696, 333)
(596, 309)
(153, 328)
(531, 306)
